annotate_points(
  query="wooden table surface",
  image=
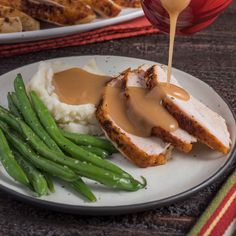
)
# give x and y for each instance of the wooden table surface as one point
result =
(209, 55)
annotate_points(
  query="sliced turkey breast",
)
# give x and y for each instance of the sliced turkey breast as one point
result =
(10, 25)
(28, 23)
(142, 151)
(11, 3)
(59, 12)
(128, 3)
(105, 8)
(193, 116)
(179, 138)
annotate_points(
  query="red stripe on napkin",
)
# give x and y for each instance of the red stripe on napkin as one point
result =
(222, 217)
(220, 213)
(132, 28)
(225, 221)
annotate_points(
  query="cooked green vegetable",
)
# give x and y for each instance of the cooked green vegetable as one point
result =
(83, 189)
(16, 103)
(36, 178)
(88, 140)
(38, 161)
(9, 163)
(87, 170)
(15, 100)
(97, 151)
(29, 114)
(50, 184)
(82, 168)
(65, 144)
(11, 120)
(13, 109)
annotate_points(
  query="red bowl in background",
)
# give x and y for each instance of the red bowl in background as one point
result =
(198, 15)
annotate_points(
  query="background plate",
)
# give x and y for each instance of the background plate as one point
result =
(183, 175)
(19, 37)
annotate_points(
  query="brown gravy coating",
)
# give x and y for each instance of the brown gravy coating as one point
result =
(145, 110)
(76, 86)
(117, 108)
(175, 91)
(142, 110)
(136, 114)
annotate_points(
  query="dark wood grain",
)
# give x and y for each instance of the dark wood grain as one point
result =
(209, 55)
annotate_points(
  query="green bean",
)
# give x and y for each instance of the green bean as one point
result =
(97, 151)
(36, 178)
(50, 184)
(88, 140)
(109, 178)
(14, 122)
(9, 163)
(38, 161)
(29, 114)
(16, 103)
(11, 120)
(87, 170)
(39, 186)
(83, 189)
(65, 144)
(82, 168)
(15, 100)
(13, 109)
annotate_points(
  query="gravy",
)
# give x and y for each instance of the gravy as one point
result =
(76, 86)
(175, 91)
(145, 110)
(117, 108)
(137, 114)
(174, 8)
(142, 110)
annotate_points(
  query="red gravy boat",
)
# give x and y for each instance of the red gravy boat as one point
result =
(198, 15)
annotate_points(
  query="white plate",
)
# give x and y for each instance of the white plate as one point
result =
(183, 175)
(125, 15)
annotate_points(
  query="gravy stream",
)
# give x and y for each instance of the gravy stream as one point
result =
(174, 8)
(76, 86)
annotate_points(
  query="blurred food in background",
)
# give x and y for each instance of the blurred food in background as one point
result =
(26, 15)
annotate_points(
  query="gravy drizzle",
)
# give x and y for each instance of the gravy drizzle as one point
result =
(174, 8)
(175, 91)
(117, 109)
(140, 110)
(145, 110)
(136, 113)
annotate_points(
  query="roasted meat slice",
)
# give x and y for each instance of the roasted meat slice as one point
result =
(128, 3)
(105, 8)
(142, 151)
(28, 23)
(59, 12)
(193, 116)
(11, 3)
(179, 138)
(10, 25)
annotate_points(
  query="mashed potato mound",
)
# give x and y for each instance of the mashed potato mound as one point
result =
(74, 118)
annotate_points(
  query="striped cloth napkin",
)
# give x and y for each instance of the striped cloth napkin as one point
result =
(139, 26)
(220, 216)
